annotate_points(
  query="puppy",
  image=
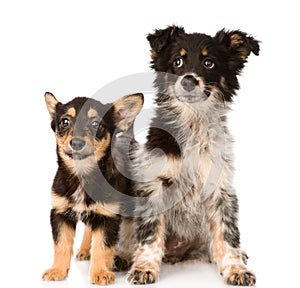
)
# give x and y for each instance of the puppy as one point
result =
(87, 184)
(187, 207)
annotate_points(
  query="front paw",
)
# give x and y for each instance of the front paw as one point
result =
(241, 278)
(142, 276)
(54, 274)
(83, 255)
(102, 278)
(121, 264)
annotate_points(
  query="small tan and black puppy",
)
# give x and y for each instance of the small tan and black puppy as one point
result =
(87, 182)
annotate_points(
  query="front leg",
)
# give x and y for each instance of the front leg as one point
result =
(63, 231)
(148, 256)
(222, 214)
(104, 238)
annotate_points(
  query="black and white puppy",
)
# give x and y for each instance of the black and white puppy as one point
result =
(187, 206)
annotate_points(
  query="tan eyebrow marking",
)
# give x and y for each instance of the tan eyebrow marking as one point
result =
(71, 112)
(204, 52)
(183, 52)
(92, 113)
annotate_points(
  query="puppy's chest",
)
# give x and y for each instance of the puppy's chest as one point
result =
(198, 171)
(196, 159)
(83, 205)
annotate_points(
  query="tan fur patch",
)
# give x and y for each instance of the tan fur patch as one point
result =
(92, 113)
(101, 260)
(63, 251)
(153, 54)
(101, 146)
(106, 209)
(173, 31)
(223, 82)
(83, 252)
(71, 112)
(60, 203)
(183, 52)
(219, 248)
(229, 260)
(204, 52)
(236, 40)
(64, 141)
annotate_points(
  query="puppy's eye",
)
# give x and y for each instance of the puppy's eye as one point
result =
(208, 63)
(96, 124)
(178, 62)
(65, 123)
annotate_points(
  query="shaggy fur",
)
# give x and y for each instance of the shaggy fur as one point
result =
(187, 207)
(87, 184)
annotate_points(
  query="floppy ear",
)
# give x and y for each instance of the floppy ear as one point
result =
(51, 103)
(239, 44)
(126, 109)
(162, 37)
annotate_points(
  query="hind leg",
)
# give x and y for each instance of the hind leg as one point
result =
(179, 249)
(83, 252)
(126, 246)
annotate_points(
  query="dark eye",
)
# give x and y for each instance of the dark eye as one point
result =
(65, 123)
(96, 124)
(178, 62)
(209, 64)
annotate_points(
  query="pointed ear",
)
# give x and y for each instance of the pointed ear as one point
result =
(51, 103)
(162, 37)
(126, 109)
(239, 43)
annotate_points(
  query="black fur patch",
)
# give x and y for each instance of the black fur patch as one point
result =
(57, 219)
(161, 139)
(109, 225)
(146, 231)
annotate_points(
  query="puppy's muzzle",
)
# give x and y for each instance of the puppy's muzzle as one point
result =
(190, 88)
(77, 144)
(189, 82)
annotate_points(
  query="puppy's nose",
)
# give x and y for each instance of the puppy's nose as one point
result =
(77, 144)
(189, 83)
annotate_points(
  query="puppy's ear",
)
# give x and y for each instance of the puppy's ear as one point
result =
(239, 44)
(51, 103)
(162, 37)
(126, 109)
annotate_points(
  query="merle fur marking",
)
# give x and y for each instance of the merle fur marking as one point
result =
(196, 81)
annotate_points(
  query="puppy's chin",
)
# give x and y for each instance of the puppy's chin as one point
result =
(79, 163)
(79, 156)
(190, 98)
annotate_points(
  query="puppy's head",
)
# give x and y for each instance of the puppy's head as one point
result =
(84, 127)
(197, 66)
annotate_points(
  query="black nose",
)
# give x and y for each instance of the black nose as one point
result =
(77, 144)
(189, 83)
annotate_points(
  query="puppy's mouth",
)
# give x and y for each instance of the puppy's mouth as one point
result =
(190, 98)
(190, 88)
(79, 155)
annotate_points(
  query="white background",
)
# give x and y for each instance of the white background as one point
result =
(73, 48)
